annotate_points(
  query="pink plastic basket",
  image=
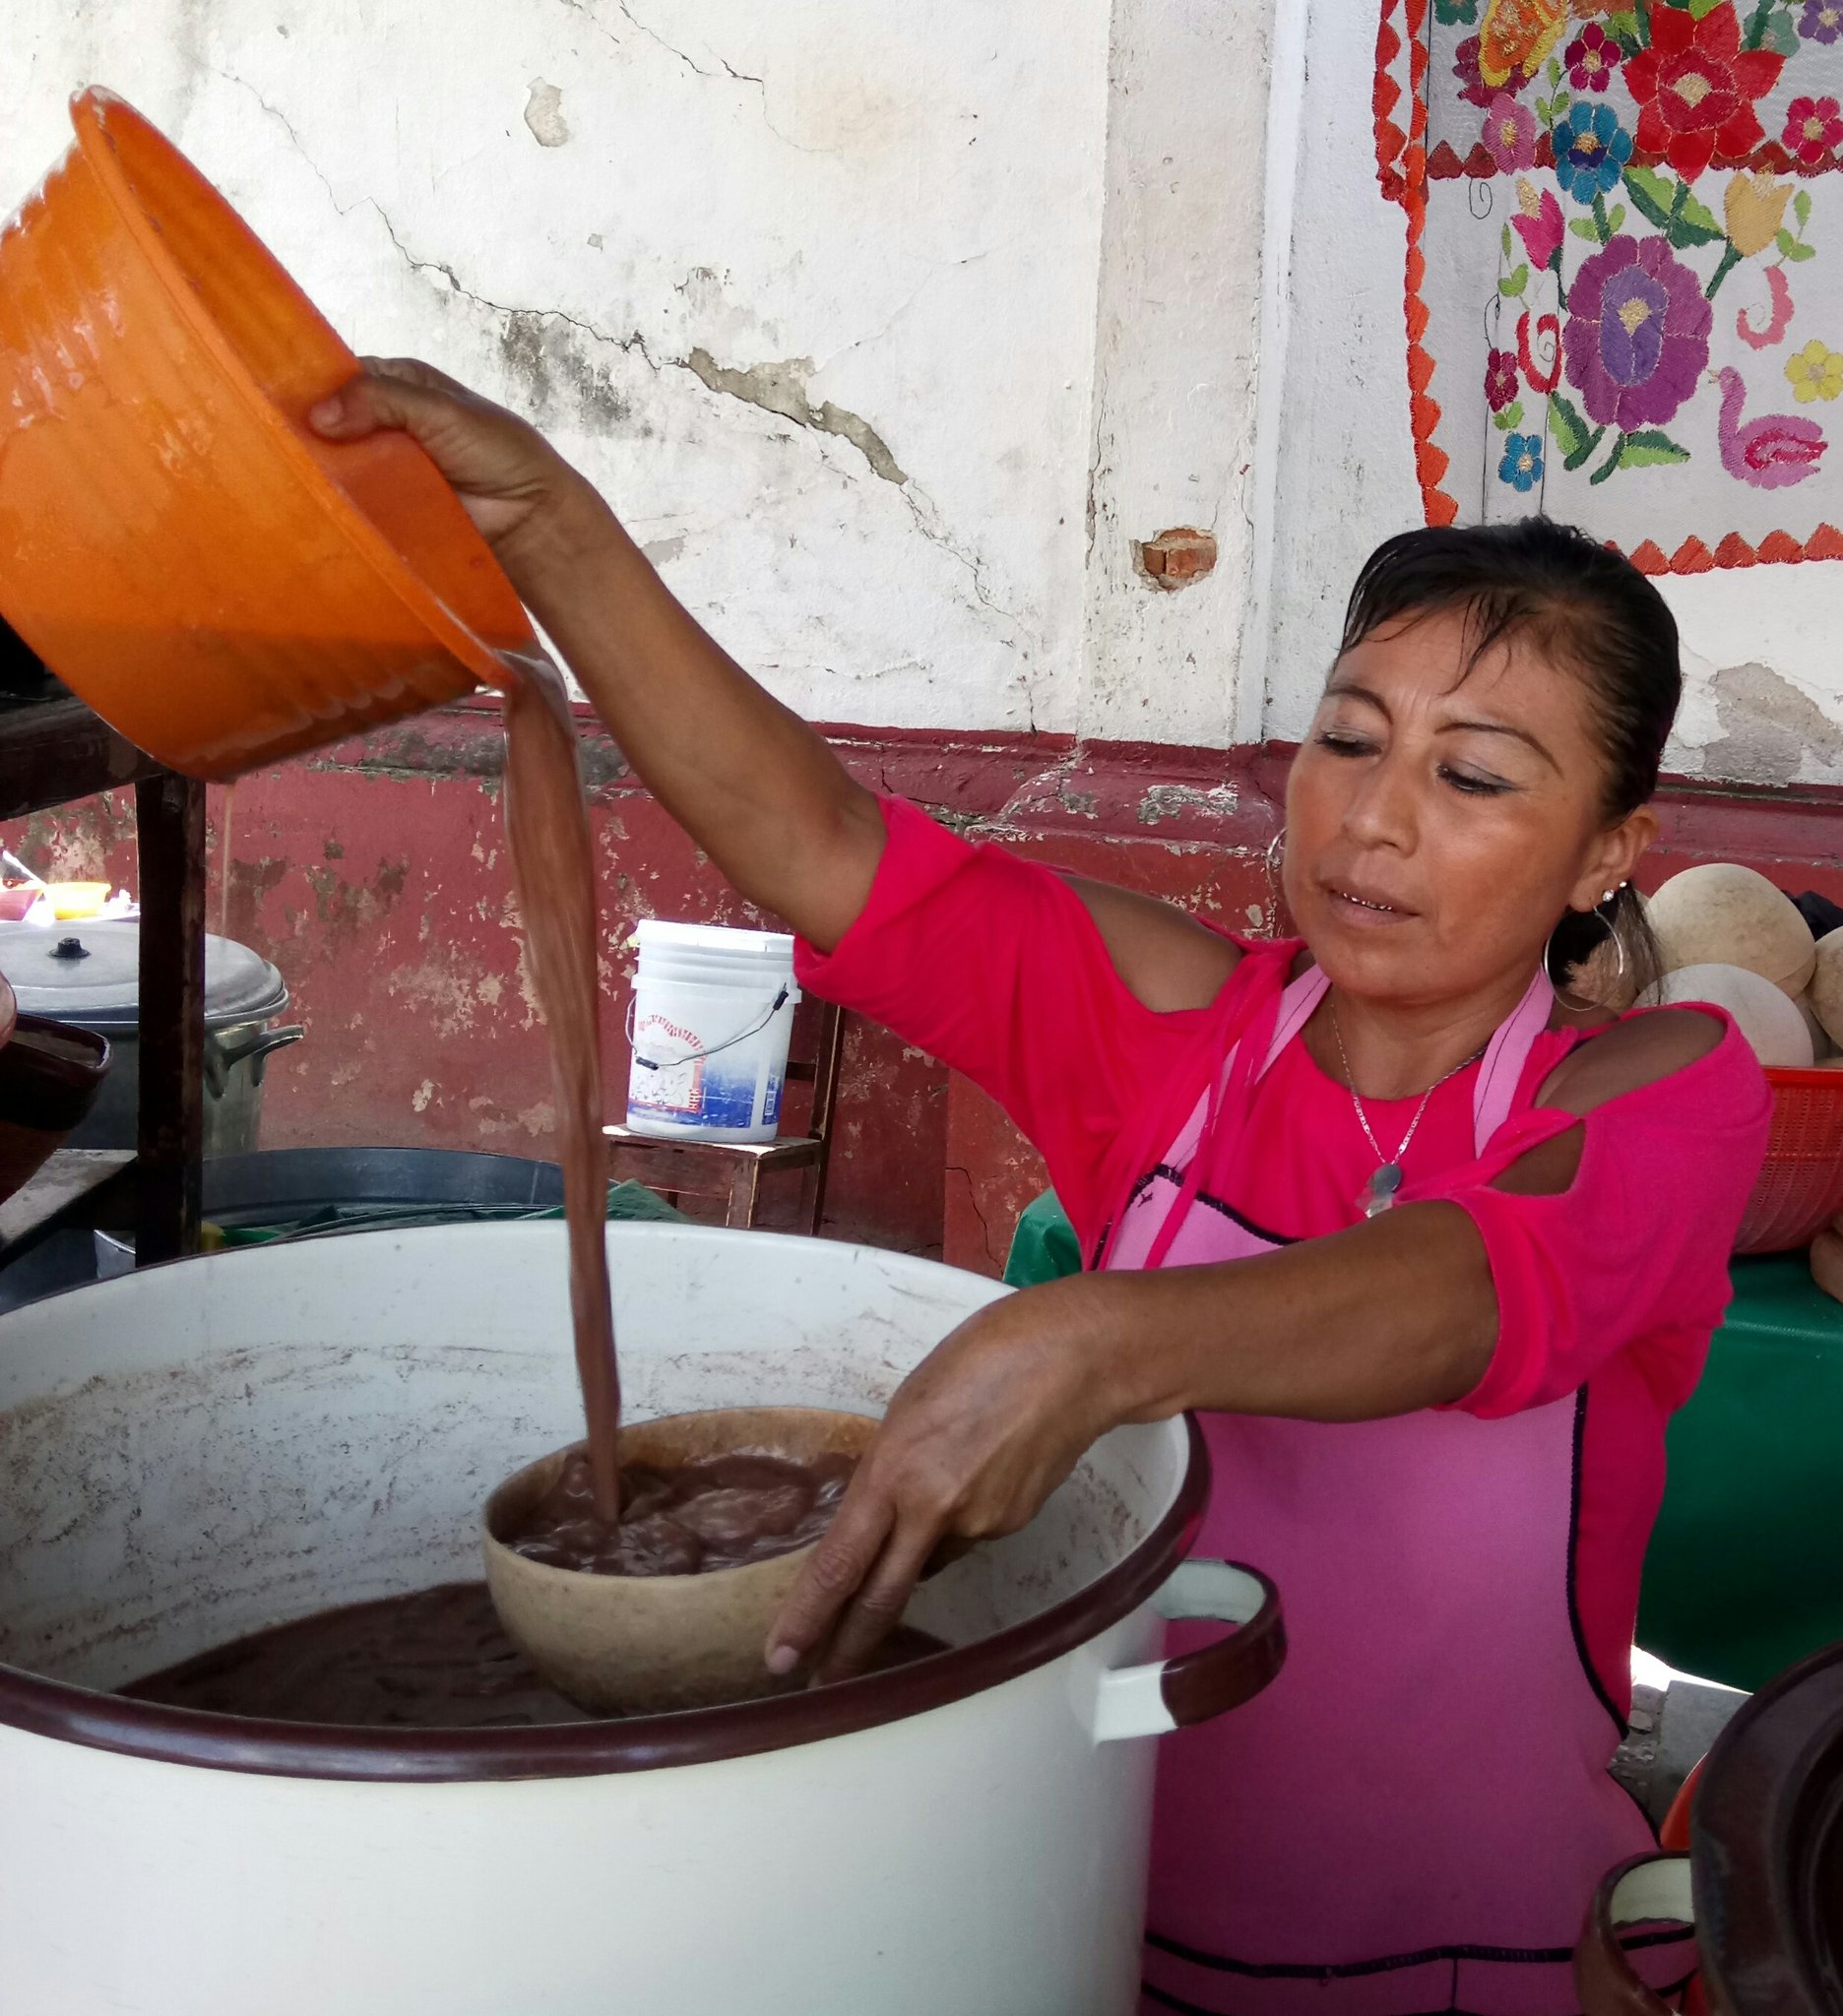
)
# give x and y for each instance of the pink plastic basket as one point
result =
(1801, 1185)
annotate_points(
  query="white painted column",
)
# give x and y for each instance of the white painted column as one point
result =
(1178, 319)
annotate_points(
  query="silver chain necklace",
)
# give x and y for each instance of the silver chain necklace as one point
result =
(1379, 1192)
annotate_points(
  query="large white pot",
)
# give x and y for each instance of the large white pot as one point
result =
(221, 1445)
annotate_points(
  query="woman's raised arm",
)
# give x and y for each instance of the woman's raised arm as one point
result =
(748, 778)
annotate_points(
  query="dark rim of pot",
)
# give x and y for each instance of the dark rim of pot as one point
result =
(651, 1743)
(1766, 1846)
(44, 1090)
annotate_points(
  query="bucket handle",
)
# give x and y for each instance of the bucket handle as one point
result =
(694, 1056)
(1173, 1693)
(1651, 1887)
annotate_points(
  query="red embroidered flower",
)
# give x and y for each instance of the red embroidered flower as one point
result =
(1812, 128)
(1592, 57)
(1538, 223)
(1697, 90)
(1472, 86)
(1541, 357)
(1501, 379)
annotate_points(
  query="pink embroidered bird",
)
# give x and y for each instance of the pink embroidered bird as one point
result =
(1769, 452)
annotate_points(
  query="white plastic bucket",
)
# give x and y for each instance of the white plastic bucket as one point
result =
(712, 1009)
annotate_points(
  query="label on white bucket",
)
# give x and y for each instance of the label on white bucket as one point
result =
(696, 1091)
(712, 1013)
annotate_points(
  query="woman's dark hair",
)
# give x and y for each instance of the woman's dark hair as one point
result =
(1579, 603)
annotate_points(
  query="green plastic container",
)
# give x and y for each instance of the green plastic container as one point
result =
(1746, 1570)
(1042, 1248)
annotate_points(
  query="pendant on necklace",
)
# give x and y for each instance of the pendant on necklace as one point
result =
(1379, 1192)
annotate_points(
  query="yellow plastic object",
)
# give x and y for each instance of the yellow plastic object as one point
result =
(75, 900)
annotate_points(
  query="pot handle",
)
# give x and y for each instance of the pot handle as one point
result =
(220, 1059)
(1651, 1887)
(1173, 1693)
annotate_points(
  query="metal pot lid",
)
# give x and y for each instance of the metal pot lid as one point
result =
(91, 974)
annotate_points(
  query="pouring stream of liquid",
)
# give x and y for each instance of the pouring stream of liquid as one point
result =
(553, 868)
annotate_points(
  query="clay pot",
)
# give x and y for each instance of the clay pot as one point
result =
(648, 1645)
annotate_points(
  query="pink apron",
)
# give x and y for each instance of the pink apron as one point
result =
(1413, 1815)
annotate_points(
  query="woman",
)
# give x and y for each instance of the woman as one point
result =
(1434, 1254)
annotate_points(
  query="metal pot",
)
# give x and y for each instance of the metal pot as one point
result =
(90, 975)
(1762, 1882)
(211, 1448)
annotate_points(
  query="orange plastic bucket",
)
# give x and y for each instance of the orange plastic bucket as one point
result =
(220, 584)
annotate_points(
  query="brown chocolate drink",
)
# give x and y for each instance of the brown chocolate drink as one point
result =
(553, 866)
(437, 1659)
(717, 1512)
(691, 1519)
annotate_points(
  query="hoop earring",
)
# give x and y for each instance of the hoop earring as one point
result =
(1579, 1003)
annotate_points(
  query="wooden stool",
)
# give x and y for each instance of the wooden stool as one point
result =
(733, 1169)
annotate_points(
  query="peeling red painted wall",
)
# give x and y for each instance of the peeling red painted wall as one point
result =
(376, 877)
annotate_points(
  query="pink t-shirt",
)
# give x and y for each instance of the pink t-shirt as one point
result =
(995, 966)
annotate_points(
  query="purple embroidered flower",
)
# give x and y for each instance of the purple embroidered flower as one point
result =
(1501, 379)
(1637, 336)
(1821, 21)
(1472, 86)
(1509, 134)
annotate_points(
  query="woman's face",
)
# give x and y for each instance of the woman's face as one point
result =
(1440, 820)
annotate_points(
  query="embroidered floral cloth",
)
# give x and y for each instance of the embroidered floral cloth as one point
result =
(1625, 284)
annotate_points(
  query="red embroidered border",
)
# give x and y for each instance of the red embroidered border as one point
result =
(1445, 164)
(1401, 163)
(1403, 170)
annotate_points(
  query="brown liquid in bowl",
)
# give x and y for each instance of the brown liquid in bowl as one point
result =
(691, 1519)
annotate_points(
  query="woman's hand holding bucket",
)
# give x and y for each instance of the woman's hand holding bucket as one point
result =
(512, 483)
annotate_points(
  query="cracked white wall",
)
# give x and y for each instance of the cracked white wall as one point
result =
(808, 288)
(889, 329)
(1763, 687)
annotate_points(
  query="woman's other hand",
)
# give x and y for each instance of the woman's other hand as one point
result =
(976, 1437)
(511, 481)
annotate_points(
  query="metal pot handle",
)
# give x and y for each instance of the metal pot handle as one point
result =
(220, 1059)
(1651, 1887)
(1173, 1693)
